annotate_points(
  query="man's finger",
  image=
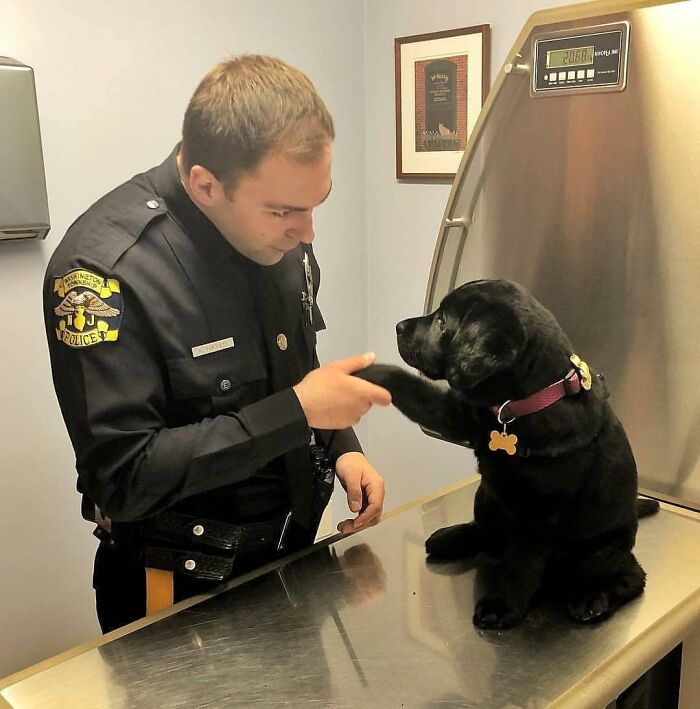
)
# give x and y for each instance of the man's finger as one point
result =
(369, 516)
(354, 496)
(352, 364)
(346, 526)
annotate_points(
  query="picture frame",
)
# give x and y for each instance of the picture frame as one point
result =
(442, 79)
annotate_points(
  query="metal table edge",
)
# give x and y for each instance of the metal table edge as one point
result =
(54, 660)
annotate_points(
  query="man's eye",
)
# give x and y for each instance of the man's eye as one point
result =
(279, 213)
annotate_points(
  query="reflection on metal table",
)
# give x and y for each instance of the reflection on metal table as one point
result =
(365, 621)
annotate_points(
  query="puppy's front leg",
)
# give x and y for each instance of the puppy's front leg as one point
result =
(439, 409)
(602, 582)
(507, 585)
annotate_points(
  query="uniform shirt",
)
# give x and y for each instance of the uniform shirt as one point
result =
(173, 358)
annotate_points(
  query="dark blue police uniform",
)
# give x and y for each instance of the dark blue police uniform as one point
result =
(173, 358)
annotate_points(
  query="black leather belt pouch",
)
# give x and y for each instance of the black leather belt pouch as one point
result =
(190, 530)
(192, 563)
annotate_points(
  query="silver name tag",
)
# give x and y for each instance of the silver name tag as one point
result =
(210, 347)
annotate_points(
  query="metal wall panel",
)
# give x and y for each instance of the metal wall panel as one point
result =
(592, 201)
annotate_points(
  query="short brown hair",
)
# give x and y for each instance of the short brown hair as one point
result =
(247, 107)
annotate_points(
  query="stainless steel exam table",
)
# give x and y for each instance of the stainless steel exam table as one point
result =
(365, 621)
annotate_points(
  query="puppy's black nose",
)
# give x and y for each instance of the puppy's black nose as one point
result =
(400, 327)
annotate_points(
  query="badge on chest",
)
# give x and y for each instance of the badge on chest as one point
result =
(307, 296)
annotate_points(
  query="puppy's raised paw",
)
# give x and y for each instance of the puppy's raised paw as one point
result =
(384, 375)
(496, 613)
(457, 542)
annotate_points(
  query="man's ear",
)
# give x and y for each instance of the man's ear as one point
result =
(203, 187)
(482, 348)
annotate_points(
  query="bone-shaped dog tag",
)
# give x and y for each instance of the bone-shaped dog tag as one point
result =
(503, 442)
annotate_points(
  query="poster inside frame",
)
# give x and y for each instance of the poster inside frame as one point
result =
(442, 79)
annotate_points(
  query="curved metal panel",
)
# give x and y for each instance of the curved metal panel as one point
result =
(591, 201)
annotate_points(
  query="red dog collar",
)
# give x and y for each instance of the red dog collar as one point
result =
(576, 379)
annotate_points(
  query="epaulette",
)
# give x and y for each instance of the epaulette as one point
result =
(115, 222)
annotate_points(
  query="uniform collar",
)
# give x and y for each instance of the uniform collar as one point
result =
(188, 216)
(205, 237)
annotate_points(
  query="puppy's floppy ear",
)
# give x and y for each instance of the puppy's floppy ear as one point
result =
(483, 347)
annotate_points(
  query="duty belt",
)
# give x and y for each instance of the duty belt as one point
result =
(208, 549)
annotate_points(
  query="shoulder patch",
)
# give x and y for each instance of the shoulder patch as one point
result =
(88, 308)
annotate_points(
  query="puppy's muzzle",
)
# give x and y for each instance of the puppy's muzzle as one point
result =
(404, 340)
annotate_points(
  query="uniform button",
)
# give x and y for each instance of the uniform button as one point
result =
(153, 204)
(190, 564)
(282, 341)
(197, 530)
(225, 384)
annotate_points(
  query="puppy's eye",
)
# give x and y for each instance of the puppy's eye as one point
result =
(440, 322)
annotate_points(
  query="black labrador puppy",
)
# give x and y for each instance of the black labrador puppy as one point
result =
(557, 503)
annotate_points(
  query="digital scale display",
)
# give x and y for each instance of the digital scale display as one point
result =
(577, 56)
(585, 60)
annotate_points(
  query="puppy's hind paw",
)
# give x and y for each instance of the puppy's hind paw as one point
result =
(591, 608)
(496, 613)
(456, 542)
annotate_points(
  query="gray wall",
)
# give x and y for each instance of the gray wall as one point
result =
(113, 79)
(402, 225)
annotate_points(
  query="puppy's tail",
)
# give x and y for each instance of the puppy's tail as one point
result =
(646, 507)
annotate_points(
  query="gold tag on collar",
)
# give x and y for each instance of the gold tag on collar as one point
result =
(503, 442)
(583, 370)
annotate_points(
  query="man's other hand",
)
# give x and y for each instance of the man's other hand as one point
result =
(365, 490)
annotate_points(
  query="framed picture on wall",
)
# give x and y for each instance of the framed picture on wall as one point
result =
(442, 79)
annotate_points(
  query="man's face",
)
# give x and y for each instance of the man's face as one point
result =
(270, 210)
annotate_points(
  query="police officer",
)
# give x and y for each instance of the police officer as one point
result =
(181, 317)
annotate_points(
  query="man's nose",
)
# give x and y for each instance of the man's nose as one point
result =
(303, 229)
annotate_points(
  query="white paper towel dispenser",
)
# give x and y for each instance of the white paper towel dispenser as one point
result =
(24, 210)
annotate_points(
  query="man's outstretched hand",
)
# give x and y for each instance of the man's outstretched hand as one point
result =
(332, 398)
